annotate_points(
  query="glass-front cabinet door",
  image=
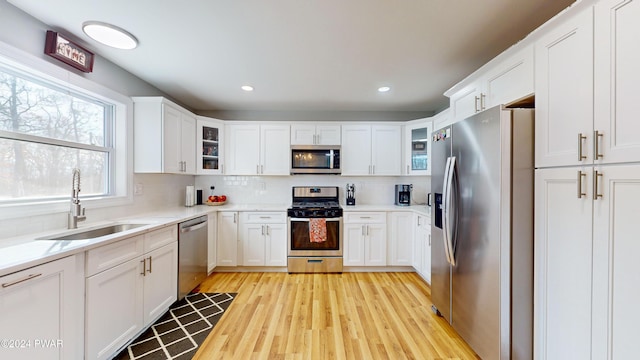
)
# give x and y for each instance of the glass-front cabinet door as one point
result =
(417, 147)
(209, 140)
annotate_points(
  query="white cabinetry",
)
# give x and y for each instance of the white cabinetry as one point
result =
(130, 284)
(365, 242)
(564, 93)
(315, 134)
(422, 246)
(616, 80)
(263, 237)
(227, 238)
(209, 135)
(253, 149)
(41, 310)
(417, 147)
(371, 150)
(586, 251)
(505, 79)
(164, 137)
(563, 268)
(400, 239)
(212, 241)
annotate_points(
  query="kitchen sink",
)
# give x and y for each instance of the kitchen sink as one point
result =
(93, 233)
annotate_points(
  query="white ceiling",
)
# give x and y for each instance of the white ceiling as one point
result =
(304, 55)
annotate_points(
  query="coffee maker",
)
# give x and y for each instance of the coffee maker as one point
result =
(403, 194)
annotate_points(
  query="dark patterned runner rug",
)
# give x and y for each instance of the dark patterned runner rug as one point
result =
(179, 332)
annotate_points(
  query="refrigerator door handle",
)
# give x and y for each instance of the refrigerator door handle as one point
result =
(452, 212)
(445, 209)
(448, 224)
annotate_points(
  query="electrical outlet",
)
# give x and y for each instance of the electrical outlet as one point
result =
(138, 189)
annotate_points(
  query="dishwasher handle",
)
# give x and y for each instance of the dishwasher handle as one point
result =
(192, 227)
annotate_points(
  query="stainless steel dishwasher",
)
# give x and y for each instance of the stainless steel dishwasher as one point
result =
(192, 254)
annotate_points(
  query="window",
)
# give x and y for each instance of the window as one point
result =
(45, 133)
(48, 127)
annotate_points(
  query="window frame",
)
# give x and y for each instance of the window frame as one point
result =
(120, 163)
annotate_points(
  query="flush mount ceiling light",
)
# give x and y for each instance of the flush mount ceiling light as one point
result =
(383, 89)
(109, 35)
(247, 88)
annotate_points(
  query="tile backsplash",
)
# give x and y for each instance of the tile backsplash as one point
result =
(164, 190)
(277, 189)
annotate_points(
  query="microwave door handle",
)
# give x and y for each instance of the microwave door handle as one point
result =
(331, 159)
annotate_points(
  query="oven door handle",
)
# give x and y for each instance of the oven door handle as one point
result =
(307, 219)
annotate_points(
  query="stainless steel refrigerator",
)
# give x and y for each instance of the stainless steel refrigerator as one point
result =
(482, 230)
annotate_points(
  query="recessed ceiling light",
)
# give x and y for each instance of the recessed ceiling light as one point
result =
(109, 35)
(247, 88)
(383, 89)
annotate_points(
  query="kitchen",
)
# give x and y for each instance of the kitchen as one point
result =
(564, 162)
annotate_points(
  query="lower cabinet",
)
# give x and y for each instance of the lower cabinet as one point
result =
(227, 239)
(125, 298)
(263, 237)
(586, 265)
(422, 246)
(365, 239)
(41, 311)
(400, 240)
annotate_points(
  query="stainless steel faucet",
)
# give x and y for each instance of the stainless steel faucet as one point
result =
(76, 213)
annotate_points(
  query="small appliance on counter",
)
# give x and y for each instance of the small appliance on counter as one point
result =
(351, 194)
(403, 194)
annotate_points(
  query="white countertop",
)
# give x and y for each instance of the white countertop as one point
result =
(421, 209)
(25, 251)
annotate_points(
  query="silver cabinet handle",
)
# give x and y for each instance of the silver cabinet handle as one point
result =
(596, 175)
(429, 239)
(482, 102)
(150, 262)
(367, 230)
(596, 145)
(31, 276)
(261, 229)
(475, 106)
(265, 217)
(363, 232)
(580, 138)
(261, 169)
(580, 176)
(144, 267)
(267, 230)
(257, 169)
(365, 217)
(234, 218)
(407, 169)
(373, 169)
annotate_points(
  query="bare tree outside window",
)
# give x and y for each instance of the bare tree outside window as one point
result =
(45, 132)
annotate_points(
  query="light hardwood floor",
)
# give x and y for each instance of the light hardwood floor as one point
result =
(329, 316)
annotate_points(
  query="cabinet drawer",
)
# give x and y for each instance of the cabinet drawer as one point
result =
(108, 256)
(365, 217)
(264, 218)
(423, 221)
(161, 237)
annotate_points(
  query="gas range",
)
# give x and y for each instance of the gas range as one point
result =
(315, 202)
(315, 230)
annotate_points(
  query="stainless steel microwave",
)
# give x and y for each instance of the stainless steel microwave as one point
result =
(315, 159)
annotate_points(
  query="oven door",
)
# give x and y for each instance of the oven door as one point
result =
(300, 237)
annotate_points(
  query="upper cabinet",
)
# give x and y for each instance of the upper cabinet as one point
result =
(209, 135)
(371, 150)
(253, 149)
(417, 147)
(564, 93)
(616, 130)
(504, 80)
(315, 134)
(164, 137)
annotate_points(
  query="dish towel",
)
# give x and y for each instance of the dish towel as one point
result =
(318, 230)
